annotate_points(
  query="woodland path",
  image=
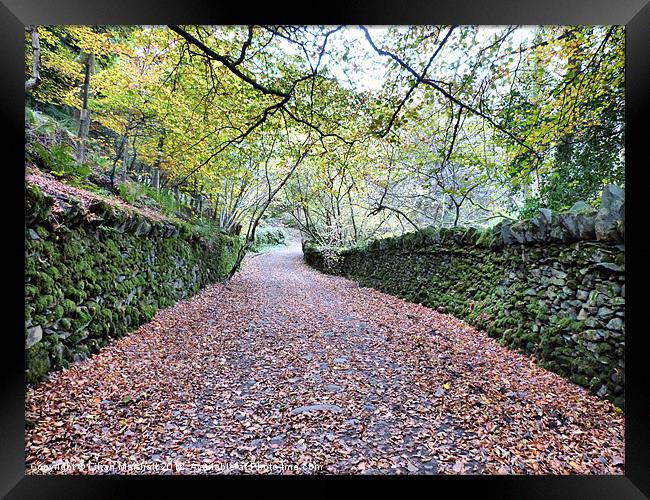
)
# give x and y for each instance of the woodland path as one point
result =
(284, 366)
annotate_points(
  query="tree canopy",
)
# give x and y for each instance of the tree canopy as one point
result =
(350, 132)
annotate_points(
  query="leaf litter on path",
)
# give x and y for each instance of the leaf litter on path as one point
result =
(287, 370)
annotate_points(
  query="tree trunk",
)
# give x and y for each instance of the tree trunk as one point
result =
(121, 147)
(457, 207)
(120, 152)
(155, 179)
(354, 224)
(35, 80)
(84, 114)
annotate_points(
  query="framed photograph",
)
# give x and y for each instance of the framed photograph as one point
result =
(370, 242)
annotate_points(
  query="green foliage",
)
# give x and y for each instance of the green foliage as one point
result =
(530, 207)
(40, 123)
(59, 160)
(571, 111)
(268, 237)
(206, 228)
(139, 194)
(127, 193)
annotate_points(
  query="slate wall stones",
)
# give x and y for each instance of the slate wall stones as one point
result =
(552, 286)
(94, 275)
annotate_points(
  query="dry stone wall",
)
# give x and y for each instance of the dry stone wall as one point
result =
(552, 286)
(97, 274)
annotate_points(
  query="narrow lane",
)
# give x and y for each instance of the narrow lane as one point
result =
(287, 370)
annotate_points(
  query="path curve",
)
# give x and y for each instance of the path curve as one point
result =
(287, 370)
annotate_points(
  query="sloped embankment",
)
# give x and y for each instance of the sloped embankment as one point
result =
(96, 270)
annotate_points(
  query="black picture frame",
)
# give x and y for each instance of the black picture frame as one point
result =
(16, 14)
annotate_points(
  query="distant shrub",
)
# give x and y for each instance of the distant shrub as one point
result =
(269, 236)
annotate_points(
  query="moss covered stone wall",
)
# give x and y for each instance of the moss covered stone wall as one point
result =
(95, 274)
(552, 287)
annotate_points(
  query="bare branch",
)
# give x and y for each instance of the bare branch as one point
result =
(419, 78)
(247, 43)
(227, 63)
